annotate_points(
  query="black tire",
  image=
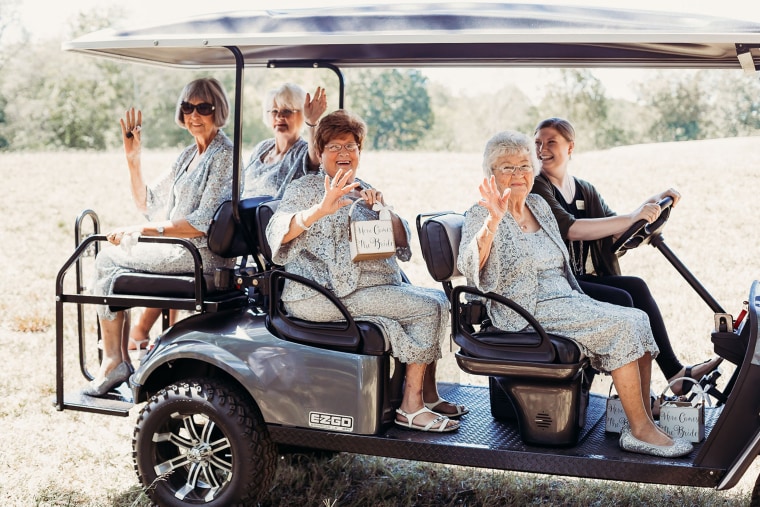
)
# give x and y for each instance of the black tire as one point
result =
(203, 442)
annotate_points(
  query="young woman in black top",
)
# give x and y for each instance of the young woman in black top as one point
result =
(588, 226)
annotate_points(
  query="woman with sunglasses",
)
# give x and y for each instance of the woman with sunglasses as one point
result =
(274, 163)
(308, 235)
(181, 204)
(277, 161)
(588, 226)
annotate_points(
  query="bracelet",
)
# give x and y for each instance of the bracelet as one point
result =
(312, 125)
(299, 221)
(488, 231)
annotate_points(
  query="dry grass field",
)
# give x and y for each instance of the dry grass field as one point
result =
(71, 458)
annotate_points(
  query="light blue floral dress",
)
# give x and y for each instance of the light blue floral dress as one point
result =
(533, 269)
(271, 179)
(415, 319)
(193, 195)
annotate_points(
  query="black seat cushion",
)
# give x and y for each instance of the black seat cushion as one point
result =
(152, 284)
(522, 346)
(329, 335)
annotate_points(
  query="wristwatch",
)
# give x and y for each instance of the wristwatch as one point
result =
(160, 230)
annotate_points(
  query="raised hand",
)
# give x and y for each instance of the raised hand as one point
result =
(131, 125)
(336, 190)
(313, 108)
(493, 200)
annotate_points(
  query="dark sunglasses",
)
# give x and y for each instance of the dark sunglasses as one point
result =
(204, 108)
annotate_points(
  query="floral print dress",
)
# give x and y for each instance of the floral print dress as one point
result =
(271, 179)
(533, 269)
(193, 195)
(414, 319)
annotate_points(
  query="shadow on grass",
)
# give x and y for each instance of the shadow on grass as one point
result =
(349, 480)
(54, 495)
(333, 480)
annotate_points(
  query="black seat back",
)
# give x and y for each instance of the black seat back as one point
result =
(440, 235)
(227, 238)
(264, 213)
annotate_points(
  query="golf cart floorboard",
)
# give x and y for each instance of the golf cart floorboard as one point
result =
(484, 442)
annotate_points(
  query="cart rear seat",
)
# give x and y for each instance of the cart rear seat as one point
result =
(227, 239)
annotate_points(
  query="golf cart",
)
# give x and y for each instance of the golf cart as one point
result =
(224, 389)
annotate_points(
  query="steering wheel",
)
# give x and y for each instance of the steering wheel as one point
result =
(641, 232)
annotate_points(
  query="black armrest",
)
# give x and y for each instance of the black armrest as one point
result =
(344, 336)
(530, 346)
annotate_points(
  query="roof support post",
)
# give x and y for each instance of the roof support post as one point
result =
(237, 134)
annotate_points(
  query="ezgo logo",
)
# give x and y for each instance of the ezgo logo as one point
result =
(331, 421)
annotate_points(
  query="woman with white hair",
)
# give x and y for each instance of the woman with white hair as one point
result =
(511, 245)
(277, 161)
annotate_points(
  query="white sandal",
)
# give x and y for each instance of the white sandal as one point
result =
(461, 409)
(442, 419)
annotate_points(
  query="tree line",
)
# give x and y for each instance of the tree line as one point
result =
(51, 99)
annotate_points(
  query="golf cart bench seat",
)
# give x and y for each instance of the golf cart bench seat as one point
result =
(357, 337)
(542, 380)
(226, 239)
(439, 237)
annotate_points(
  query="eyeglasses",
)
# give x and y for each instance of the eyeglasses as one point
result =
(512, 169)
(285, 113)
(204, 108)
(336, 148)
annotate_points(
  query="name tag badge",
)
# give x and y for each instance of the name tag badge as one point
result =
(580, 205)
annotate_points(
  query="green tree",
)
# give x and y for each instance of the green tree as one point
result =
(734, 103)
(580, 97)
(678, 102)
(395, 104)
(464, 123)
(61, 99)
(8, 19)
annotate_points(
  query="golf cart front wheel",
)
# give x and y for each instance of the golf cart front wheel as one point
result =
(202, 442)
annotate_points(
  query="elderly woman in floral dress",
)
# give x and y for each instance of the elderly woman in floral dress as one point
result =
(511, 245)
(277, 161)
(274, 163)
(308, 235)
(182, 205)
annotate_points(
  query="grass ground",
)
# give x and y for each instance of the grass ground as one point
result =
(78, 459)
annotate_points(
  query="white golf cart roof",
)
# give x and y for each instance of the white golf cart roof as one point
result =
(438, 35)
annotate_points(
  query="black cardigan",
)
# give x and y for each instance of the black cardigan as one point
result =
(604, 261)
